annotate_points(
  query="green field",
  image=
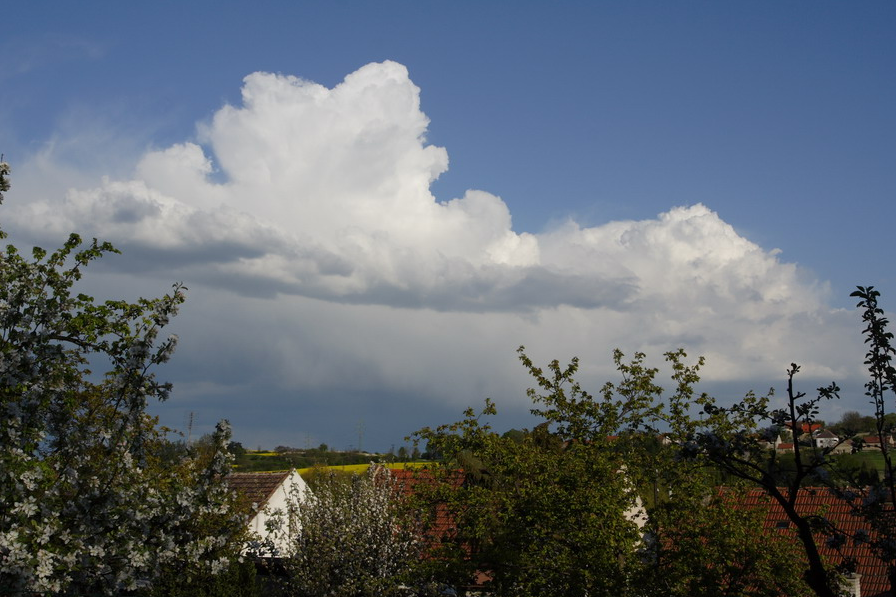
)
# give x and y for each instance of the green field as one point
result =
(873, 458)
(267, 460)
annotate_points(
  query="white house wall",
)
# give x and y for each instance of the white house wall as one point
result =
(288, 494)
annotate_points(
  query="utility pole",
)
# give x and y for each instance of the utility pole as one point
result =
(360, 434)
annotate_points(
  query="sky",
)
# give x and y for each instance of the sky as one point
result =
(373, 205)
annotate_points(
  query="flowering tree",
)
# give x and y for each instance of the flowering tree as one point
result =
(353, 539)
(86, 506)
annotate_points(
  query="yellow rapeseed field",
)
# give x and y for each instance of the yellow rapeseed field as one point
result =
(358, 468)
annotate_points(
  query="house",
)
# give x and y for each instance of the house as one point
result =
(271, 497)
(766, 444)
(844, 447)
(874, 441)
(822, 438)
(870, 575)
(784, 447)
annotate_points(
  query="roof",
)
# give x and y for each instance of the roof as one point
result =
(804, 426)
(837, 510)
(257, 488)
(442, 525)
(825, 434)
(407, 480)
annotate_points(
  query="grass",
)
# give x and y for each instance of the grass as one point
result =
(873, 457)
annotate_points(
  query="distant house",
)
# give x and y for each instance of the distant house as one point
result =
(784, 447)
(844, 447)
(771, 445)
(270, 495)
(822, 438)
(874, 441)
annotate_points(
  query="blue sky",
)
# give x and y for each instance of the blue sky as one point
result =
(644, 175)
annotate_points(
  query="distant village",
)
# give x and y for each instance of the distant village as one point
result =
(841, 439)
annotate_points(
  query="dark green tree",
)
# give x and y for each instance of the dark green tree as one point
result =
(593, 500)
(539, 516)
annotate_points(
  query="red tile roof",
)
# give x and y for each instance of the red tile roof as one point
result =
(442, 525)
(804, 427)
(821, 500)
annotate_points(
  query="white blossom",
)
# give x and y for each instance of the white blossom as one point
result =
(79, 507)
(352, 538)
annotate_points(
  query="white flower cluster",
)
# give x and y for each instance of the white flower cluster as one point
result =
(351, 538)
(86, 506)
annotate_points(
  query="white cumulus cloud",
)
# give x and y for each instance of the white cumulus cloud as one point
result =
(316, 192)
(303, 192)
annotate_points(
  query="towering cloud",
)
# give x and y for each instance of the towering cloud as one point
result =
(315, 193)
